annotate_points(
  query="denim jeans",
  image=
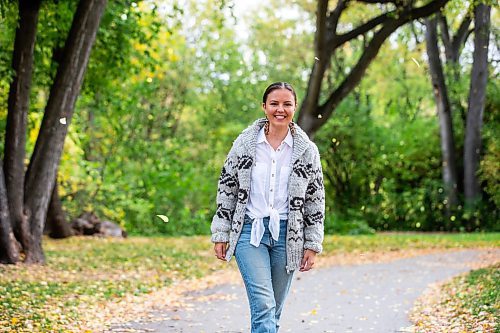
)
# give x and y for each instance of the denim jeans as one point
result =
(263, 269)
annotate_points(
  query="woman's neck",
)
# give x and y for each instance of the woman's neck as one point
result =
(276, 135)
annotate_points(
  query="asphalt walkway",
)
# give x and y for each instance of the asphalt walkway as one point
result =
(342, 299)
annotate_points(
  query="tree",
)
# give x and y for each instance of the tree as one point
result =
(9, 253)
(329, 38)
(443, 105)
(477, 93)
(453, 45)
(56, 225)
(18, 105)
(41, 174)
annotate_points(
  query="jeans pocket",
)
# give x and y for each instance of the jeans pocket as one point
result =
(247, 220)
(245, 234)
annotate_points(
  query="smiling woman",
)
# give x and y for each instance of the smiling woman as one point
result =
(270, 206)
(279, 103)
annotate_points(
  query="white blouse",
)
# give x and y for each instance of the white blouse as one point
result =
(269, 186)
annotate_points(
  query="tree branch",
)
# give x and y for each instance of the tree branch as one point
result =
(461, 36)
(445, 33)
(355, 76)
(319, 37)
(334, 17)
(361, 30)
(320, 62)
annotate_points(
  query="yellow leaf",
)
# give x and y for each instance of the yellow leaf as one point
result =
(163, 217)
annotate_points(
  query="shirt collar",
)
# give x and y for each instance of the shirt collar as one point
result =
(289, 139)
(261, 137)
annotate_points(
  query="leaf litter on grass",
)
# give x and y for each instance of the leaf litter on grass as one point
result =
(469, 303)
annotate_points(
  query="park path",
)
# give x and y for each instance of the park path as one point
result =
(373, 297)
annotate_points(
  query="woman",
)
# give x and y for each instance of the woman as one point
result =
(270, 206)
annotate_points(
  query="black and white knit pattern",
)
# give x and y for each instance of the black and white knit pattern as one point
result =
(306, 195)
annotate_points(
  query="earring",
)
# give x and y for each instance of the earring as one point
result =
(292, 127)
(266, 127)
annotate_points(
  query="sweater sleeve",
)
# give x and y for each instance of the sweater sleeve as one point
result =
(314, 208)
(227, 195)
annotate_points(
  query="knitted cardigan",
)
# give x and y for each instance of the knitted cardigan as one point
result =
(306, 195)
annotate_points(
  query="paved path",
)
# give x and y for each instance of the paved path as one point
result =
(360, 298)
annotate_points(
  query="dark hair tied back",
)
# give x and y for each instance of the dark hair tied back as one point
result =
(279, 85)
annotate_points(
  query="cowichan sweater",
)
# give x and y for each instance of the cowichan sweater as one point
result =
(306, 195)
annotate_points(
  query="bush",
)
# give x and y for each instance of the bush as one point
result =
(351, 224)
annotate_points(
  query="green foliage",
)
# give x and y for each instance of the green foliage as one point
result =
(489, 171)
(170, 86)
(352, 223)
(389, 175)
(383, 169)
(171, 122)
(8, 16)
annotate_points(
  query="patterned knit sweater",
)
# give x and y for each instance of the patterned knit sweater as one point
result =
(306, 195)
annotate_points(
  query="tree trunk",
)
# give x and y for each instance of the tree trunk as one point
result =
(57, 225)
(477, 92)
(18, 105)
(41, 173)
(306, 120)
(444, 113)
(9, 253)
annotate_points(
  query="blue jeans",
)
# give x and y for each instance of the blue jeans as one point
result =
(264, 273)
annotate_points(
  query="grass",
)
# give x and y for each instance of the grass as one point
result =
(405, 241)
(468, 303)
(480, 291)
(82, 273)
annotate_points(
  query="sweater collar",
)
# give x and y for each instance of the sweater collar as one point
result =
(261, 137)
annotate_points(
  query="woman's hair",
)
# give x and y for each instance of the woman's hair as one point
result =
(279, 85)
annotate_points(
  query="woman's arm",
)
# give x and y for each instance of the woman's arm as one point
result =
(227, 196)
(314, 208)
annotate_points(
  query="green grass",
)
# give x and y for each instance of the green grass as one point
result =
(403, 241)
(480, 291)
(88, 271)
(467, 303)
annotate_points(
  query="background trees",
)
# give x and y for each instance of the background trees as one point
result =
(170, 85)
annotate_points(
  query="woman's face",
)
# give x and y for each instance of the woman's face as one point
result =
(279, 107)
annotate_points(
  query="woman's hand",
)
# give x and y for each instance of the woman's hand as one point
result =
(307, 260)
(220, 250)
